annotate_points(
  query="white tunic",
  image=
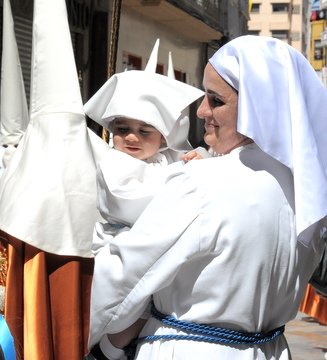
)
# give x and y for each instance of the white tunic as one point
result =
(217, 246)
(125, 187)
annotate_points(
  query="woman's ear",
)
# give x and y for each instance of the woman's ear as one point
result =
(163, 140)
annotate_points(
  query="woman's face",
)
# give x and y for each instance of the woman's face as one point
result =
(219, 111)
(136, 138)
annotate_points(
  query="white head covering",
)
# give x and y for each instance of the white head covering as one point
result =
(14, 111)
(149, 97)
(281, 107)
(48, 191)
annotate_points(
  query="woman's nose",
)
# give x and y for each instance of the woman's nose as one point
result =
(204, 110)
(131, 137)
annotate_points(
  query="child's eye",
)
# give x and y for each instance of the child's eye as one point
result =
(122, 129)
(144, 132)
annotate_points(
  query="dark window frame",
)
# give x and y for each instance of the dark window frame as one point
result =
(278, 8)
(280, 34)
(255, 8)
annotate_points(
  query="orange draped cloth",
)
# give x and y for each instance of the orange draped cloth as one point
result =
(47, 302)
(314, 305)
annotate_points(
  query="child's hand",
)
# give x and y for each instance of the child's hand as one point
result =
(192, 155)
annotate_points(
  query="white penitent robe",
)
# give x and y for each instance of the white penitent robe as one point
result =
(126, 186)
(216, 246)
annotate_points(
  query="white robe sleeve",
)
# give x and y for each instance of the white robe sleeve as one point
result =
(205, 154)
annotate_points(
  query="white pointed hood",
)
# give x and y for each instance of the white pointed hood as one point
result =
(14, 111)
(170, 71)
(151, 66)
(48, 192)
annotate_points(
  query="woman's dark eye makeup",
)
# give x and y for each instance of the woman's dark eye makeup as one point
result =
(214, 101)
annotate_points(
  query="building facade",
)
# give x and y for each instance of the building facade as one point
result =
(192, 30)
(285, 20)
(300, 23)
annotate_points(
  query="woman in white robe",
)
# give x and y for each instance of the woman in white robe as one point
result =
(230, 241)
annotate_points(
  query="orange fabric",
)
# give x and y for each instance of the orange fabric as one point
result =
(47, 302)
(314, 305)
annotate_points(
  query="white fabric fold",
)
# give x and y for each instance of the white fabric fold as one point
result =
(110, 351)
(14, 112)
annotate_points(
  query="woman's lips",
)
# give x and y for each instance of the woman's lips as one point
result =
(210, 125)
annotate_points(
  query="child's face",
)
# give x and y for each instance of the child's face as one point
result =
(136, 138)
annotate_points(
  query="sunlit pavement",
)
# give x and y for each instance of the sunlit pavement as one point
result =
(307, 338)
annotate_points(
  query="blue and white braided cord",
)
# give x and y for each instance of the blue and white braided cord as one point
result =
(205, 334)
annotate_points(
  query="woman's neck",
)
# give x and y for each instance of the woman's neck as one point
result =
(243, 142)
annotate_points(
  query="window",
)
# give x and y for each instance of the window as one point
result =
(318, 53)
(179, 75)
(254, 32)
(160, 69)
(296, 9)
(280, 8)
(295, 36)
(131, 62)
(280, 34)
(255, 8)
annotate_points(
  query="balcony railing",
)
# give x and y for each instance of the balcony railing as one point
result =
(208, 11)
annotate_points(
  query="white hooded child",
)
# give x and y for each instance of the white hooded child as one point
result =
(146, 114)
